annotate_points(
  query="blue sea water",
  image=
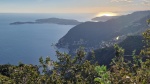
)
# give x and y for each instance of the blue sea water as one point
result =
(26, 43)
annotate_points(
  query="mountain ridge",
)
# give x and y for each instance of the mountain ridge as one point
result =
(92, 34)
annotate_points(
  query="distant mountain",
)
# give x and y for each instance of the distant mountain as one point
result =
(104, 56)
(94, 35)
(50, 21)
(103, 18)
(20, 23)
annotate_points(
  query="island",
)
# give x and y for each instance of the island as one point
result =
(50, 21)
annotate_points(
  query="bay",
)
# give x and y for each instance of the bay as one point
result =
(26, 43)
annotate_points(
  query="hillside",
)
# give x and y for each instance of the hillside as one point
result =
(91, 35)
(131, 43)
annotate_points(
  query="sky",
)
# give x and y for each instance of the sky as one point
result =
(73, 6)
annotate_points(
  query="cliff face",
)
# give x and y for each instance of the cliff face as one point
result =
(93, 34)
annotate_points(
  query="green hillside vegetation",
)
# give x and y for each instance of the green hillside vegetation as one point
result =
(78, 70)
(105, 55)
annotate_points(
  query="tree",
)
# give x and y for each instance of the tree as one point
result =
(136, 71)
(68, 70)
(5, 80)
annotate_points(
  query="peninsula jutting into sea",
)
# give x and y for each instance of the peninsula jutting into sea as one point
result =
(50, 21)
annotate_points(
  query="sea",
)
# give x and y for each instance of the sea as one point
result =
(26, 43)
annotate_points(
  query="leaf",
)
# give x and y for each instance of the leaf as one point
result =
(148, 21)
(97, 79)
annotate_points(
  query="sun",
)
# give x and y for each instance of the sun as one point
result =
(106, 14)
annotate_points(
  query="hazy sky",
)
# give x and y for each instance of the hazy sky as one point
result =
(72, 6)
